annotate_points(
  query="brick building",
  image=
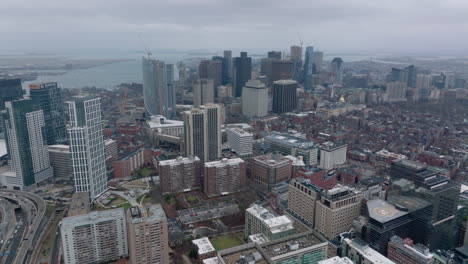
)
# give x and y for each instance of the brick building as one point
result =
(224, 176)
(133, 162)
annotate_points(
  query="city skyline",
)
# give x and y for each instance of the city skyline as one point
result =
(358, 25)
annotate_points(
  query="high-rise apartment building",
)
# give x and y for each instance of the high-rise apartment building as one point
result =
(269, 170)
(337, 69)
(404, 251)
(332, 155)
(284, 96)
(203, 92)
(28, 155)
(396, 91)
(259, 220)
(240, 141)
(158, 87)
(336, 210)
(202, 132)
(95, 237)
(10, 90)
(87, 145)
(242, 72)
(302, 197)
(308, 68)
(423, 81)
(180, 174)
(50, 99)
(224, 176)
(227, 54)
(255, 99)
(148, 235)
(296, 59)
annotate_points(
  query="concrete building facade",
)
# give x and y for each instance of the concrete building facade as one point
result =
(240, 141)
(224, 176)
(302, 198)
(255, 99)
(180, 174)
(332, 155)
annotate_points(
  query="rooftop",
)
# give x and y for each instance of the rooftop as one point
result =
(148, 213)
(92, 218)
(159, 121)
(285, 82)
(383, 211)
(220, 163)
(336, 260)
(204, 245)
(213, 260)
(367, 252)
(178, 160)
(274, 222)
(292, 243)
(290, 140)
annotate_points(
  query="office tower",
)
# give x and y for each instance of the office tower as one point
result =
(224, 176)
(296, 59)
(87, 145)
(423, 81)
(284, 96)
(318, 61)
(385, 221)
(266, 65)
(308, 68)
(229, 68)
(224, 70)
(397, 75)
(396, 91)
(332, 155)
(281, 70)
(337, 69)
(180, 174)
(274, 55)
(60, 160)
(170, 92)
(242, 72)
(410, 75)
(259, 220)
(10, 90)
(415, 179)
(255, 99)
(224, 91)
(211, 69)
(95, 237)
(360, 252)
(50, 99)
(148, 235)
(336, 210)
(203, 92)
(404, 251)
(240, 141)
(269, 170)
(28, 156)
(302, 197)
(202, 132)
(291, 144)
(158, 87)
(449, 81)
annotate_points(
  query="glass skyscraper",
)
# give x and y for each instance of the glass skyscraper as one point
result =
(158, 87)
(50, 99)
(308, 68)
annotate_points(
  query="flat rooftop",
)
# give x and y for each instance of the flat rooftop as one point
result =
(178, 160)
(336, 260)
(92, 218)
(204, 245)
(383, 211)
(367, 252)
(274, 222)
(292, 243)
(220, 163)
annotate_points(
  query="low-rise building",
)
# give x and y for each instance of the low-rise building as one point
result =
(336, 260)
(205, 249)
(259, 220)
(292, 144)
(134, 161)
(361, 253)
(404, 251)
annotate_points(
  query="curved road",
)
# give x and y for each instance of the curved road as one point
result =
(35, 209)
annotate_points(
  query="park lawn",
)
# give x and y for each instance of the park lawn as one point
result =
(125, 206)
(117, 201)
(226, 241)
(191, 199)
(145, 172)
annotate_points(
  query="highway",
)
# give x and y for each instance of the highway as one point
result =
(32, 211)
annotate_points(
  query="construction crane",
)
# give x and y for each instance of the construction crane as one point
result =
(148, 52)
(300, 39)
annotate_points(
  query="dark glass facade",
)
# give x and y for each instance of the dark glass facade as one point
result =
(50, 99)
(242, 72)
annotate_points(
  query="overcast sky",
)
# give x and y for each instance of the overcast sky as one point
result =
(407, 26)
